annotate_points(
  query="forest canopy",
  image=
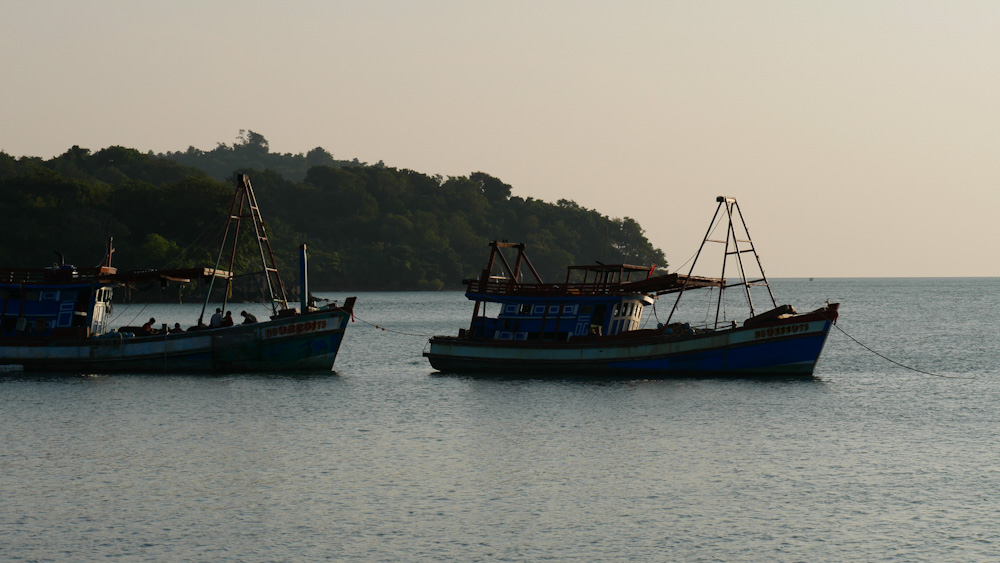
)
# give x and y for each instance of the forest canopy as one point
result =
(368, 227)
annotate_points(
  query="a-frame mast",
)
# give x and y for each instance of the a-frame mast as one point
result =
(244, 196)
(733, 247)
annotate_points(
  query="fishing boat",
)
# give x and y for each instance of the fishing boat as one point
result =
(58, 319)
(591, 324)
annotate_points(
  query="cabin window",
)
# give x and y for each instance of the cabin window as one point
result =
(554, 310)
(569, 309)
(65, 317)
(538, 310)
(510, 309)
(525, 309)
(617, 310)
(50, 296)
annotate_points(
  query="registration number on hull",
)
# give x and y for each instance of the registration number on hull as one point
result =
(780, 331)
(297, 328)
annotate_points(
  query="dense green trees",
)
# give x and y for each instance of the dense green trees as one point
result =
(251, 152)
(367, 226)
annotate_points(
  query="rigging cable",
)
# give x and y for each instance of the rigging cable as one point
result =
(136, 315)
(645, 321)
(114, 317)
(181, 253)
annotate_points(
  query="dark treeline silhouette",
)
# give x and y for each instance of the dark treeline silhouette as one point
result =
(251, 151)
(368, 227)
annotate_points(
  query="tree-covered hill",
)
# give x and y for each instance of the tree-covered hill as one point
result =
(368, 227)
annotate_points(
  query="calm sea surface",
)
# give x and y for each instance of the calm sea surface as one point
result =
(386, 461)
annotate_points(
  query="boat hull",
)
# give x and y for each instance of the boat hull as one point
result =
(294, 343)
(785, 349)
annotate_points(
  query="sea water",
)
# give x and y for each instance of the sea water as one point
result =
(889, 454)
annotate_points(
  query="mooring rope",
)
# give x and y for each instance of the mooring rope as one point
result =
(890, 360)
(386, 329)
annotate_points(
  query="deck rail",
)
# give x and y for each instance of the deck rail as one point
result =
(510, 287)
(53, 276)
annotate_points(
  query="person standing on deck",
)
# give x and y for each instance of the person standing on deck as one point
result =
(216, 321)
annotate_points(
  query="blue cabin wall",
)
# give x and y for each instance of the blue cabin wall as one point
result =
(44, 311)
(540, 319)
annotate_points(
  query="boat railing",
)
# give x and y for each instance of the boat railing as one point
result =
(47, 275)
(658, 285)
(509, 287)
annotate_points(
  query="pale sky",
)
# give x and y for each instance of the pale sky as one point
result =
(861, 138)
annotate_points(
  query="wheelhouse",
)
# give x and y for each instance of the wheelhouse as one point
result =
(598, 299)
(61, 301)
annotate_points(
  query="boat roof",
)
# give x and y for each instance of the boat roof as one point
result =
(102, 275)
(586, 280)
(656, 285)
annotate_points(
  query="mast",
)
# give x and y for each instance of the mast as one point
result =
(735, 246)
(244, 196)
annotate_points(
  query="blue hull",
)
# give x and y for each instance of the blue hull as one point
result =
(294, 343)
(731, 353)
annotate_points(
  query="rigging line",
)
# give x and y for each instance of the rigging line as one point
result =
(890, 360)
(681, 267)
(714, 226)
(137, 314)
(382, 328)
(648, 316)
(708, 306)
(124, 310)
(196, 240)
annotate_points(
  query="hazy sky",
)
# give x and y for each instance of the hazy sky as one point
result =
(861, 138)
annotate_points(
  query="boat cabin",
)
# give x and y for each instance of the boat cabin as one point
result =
(61, 301)
(598, 299)
(552, 318)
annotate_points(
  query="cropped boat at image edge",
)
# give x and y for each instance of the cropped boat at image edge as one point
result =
(589, 325)
(57, 319)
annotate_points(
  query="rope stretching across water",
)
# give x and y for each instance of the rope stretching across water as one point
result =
(382, 328)
(890, 360)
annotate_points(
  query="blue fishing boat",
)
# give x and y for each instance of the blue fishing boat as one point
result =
(58, 319)
(591, 323)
